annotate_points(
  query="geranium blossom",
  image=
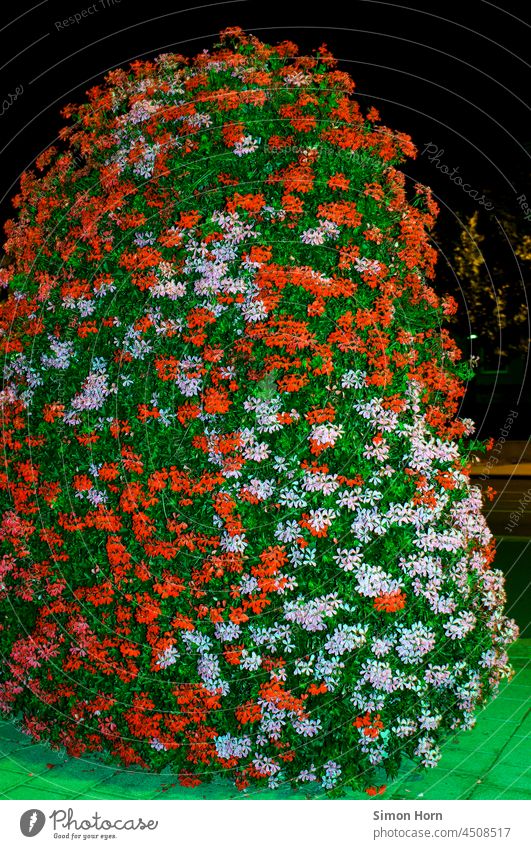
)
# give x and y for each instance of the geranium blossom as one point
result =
(239, 536)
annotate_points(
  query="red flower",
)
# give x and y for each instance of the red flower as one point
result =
(390, 602)
(376, 791)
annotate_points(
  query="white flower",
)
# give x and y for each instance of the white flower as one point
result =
(246, 145)
(353, 379)
(326, 434)
(348, 559)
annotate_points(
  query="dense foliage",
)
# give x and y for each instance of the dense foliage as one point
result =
(238, 530)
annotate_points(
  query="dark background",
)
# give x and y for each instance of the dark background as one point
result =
(455, 77)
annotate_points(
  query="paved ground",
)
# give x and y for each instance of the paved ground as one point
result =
(507, 469)
(509, 514)
(493, 761)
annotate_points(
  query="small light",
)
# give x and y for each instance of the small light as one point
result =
(473, 336)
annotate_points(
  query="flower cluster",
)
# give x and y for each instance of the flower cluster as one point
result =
(238, 530)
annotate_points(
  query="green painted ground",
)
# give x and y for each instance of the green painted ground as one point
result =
(493, 761)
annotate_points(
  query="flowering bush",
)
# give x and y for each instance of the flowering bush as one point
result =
(238, 528)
